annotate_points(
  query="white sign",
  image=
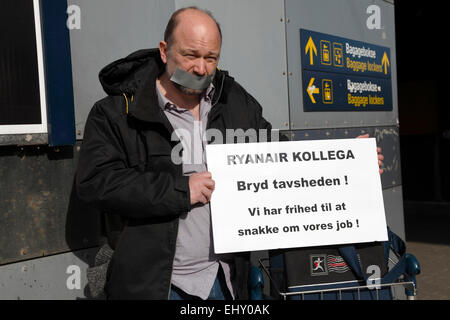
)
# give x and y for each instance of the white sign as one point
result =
(295, 194)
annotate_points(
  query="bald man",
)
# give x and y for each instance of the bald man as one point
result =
(143, 165)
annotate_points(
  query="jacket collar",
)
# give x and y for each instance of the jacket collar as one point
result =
(145, 106)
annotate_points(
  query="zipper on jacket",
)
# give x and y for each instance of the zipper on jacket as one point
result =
(171, 270)
(209, 121)
(175, 244)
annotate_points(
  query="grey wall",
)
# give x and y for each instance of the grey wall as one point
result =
(260, 49)
(343, 18)
(254, 46)
(254, 50)
(59, 277)
(110, 30)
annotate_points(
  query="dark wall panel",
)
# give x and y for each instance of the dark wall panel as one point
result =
(39, 212)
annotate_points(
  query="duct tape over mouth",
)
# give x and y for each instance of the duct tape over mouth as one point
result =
(191, 81)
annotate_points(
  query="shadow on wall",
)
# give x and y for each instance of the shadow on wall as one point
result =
(83, 230)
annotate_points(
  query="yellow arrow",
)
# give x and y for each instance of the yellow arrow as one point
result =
(311, 48)
(312, 90)
(385, 62)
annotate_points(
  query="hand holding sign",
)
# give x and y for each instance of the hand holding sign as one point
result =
(201, 186)
(380, 156)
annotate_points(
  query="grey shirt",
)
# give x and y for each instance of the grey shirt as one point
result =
(195, 265)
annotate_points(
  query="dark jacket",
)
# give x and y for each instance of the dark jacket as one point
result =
(125, 170)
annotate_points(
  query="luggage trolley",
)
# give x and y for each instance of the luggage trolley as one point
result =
(402, 273)
(338, 290)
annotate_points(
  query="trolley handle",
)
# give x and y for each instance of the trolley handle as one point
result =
(412, 269)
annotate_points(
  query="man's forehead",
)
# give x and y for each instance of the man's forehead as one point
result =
(195, 42)
(196, 25)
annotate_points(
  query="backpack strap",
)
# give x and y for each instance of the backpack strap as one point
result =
(394, 242)
(398, 246)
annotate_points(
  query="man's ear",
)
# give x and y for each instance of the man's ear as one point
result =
(163, 51)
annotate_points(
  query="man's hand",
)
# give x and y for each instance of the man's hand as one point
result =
(201, 186)
(380, 155)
